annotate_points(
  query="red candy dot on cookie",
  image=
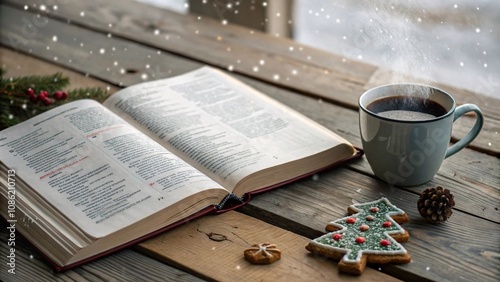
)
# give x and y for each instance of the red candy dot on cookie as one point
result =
(370, 218)
(360, 240)
(337, 236)
(364, 227)
(350, 220)
(386, 224)
(374, 209)
(385, 242)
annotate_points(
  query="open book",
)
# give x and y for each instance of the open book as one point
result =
(85, 179)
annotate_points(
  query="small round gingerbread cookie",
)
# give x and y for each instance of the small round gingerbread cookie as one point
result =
(262, 253)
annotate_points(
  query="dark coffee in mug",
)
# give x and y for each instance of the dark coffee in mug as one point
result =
(410, 152)
(406, 108)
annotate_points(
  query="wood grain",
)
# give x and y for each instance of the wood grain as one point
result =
(213, 246)
(305, 207)
(460, 173)
(323, 74)
(464, 245)
(473, 177)
(461, 176)
(17, 64)
(175, 32)
(126, 265)
(244, 51)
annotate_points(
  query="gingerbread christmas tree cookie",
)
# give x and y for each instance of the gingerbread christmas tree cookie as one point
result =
(370, 234)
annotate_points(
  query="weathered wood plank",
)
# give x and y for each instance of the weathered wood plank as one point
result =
(306, 206)
(175, 32)
(333, 121)
(472, 177)
(223, 238)
(80, 50)
(126, 265)
(462, 249)
(333, 81)
(338, 119)
(17, 64)
(187, 34)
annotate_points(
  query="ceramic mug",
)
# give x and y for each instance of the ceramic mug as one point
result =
(406, 130)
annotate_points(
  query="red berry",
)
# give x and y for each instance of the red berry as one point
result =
(385, 242)
(386, 224)
(65, 95)
(30, 92)
(58, 95)
(337, 236)
(360, 240)
(350, 220)
(374, 209)
(364, 227)
(44, 94)
(46, 101)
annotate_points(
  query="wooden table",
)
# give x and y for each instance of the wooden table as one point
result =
(113, 44)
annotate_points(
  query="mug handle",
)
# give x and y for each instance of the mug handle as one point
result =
(462, 143)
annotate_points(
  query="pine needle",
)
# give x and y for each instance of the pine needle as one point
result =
(15, 103)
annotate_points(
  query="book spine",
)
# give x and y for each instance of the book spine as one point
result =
(230, 202)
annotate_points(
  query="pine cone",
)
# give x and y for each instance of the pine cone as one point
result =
(435, 204)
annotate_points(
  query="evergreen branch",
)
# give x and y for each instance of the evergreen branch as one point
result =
(17, 104)
(19, 85)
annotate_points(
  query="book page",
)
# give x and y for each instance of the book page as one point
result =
(219, 125)
(96, 169)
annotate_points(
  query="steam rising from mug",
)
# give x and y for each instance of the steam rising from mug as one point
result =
(408, 152)
(402, 46)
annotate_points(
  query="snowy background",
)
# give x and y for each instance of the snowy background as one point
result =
(455, 42)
